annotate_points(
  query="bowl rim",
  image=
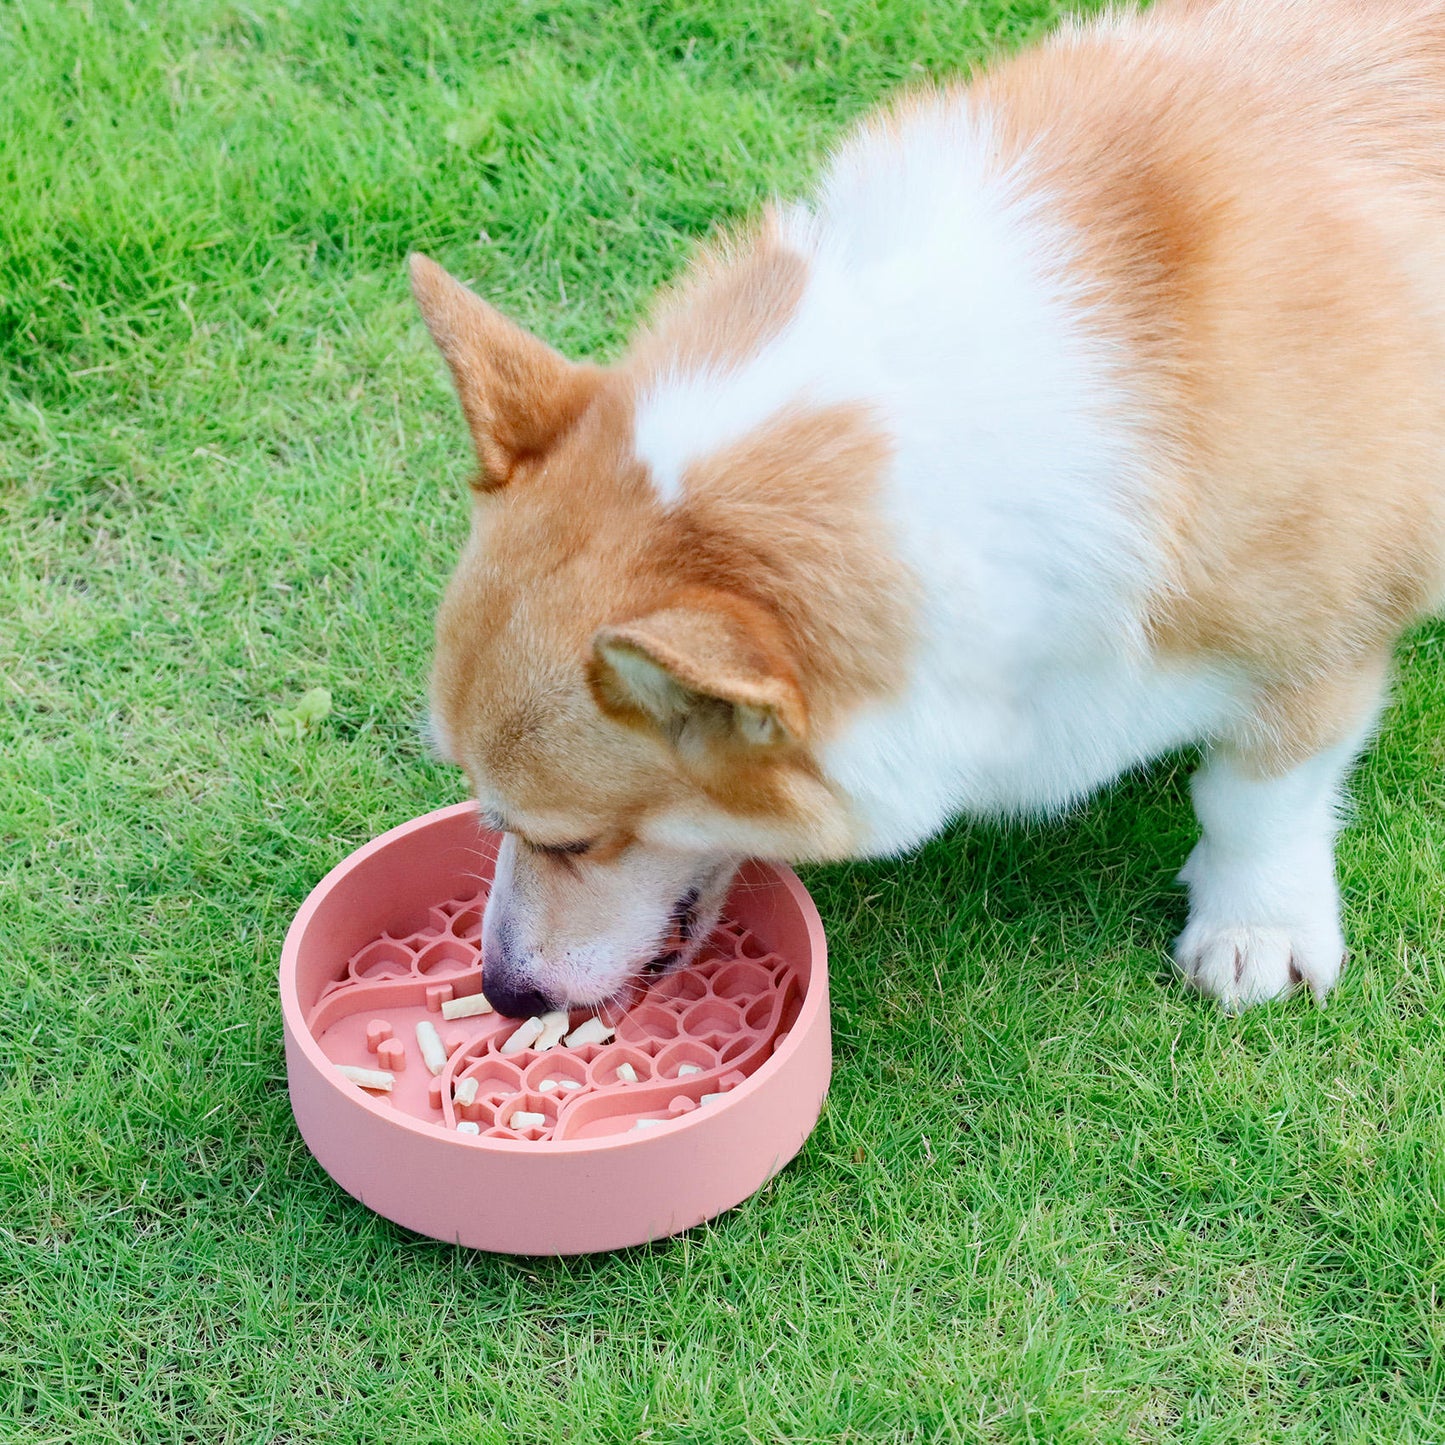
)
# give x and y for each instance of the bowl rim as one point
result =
(815, 998)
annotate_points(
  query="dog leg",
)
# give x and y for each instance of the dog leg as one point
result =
(1264, 909)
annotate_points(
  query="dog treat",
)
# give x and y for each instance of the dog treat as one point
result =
(554, 1025)
(627, 1073)
(547, 1086)
(465, 1008)
(648, 1123)
(467, 1091)
(369, 1078)
(569, 1084)
(708, 1098)
(683, 1070)
(521, 1037)
(524, 1120)
(467, 1126)
(433, 1051)
(589, 1031)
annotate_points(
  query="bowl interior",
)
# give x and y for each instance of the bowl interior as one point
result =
(391, 947)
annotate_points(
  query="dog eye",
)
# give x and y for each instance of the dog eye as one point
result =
(563, 850)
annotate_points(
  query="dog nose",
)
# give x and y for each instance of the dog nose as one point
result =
(517, 1003)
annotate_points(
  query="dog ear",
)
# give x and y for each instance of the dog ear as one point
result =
(518, 394)
(707, 668)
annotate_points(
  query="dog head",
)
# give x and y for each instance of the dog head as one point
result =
(621, 677)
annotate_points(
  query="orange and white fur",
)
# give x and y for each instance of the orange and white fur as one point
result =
(1091, 410)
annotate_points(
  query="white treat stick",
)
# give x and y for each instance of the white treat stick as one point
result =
(467, 1091)
(590, 1031)
(708, 1098)
(468, 1127)
(429, 1041)
(381, 1079)
(523, 1120)
(554, 1025)
(522, 1036)
(683, 1070)
(648, 1123)
(627, 1073)
(569, 1084)
(546, 1086)
(465, 1008)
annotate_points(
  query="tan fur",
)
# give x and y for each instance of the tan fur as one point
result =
(1258, 190)
(518, 395)
(779, 531)
(1260, 193)
(735, 297)
(577, 544)
(704, 644)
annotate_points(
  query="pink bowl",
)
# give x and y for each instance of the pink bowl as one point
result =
(392, 933)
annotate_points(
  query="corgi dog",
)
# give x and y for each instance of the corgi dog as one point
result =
(1087, 411)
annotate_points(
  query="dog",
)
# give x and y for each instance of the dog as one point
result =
(1089, 411)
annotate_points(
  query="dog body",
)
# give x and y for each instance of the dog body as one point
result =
(1088, 411)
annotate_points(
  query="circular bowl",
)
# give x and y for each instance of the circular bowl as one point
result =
(392, 933)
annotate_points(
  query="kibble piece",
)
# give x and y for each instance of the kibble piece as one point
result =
(589, 1031)
(547, 1086)
(569, 1084)
(467, 1091)
(465, 1008)
(627, 1073)
(522, 1119)
(369, 1078)
(521, 1038)
(683, 1070)
(468, 1127)
(554, 1025)
(429, 1041)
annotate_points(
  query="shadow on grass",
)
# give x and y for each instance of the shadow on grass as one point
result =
(1095, 884)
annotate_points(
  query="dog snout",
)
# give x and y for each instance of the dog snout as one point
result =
(514, 997)
(506, 986)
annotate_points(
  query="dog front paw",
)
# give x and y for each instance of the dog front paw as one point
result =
(1242, 965)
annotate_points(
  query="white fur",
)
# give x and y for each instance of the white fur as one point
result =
(577, 935)
(682, 419)
(1264, 909)
(942, 294)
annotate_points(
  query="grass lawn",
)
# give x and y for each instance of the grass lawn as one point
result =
(1052, 1196)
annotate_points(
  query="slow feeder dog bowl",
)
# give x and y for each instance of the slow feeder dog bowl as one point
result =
(393, 933)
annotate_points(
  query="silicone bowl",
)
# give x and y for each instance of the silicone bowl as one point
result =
(393, 932)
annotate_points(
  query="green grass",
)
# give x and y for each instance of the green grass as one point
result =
(1052, 1196)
